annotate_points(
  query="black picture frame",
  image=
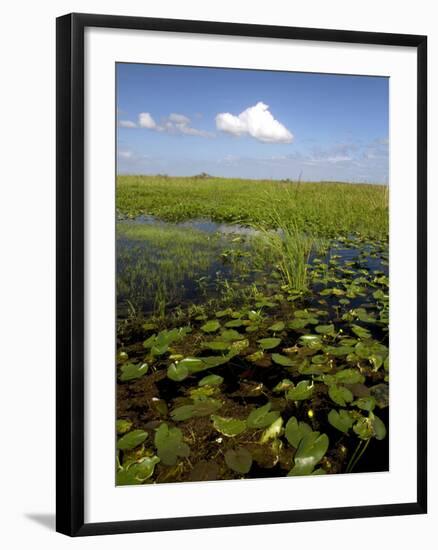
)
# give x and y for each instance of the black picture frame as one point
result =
(70, 273)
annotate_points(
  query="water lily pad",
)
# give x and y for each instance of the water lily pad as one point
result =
(228, 426)
(349, 376)
(269, 343)
(223, 313)
(170, 445)
(360, 331)
(319, 359)
(295, 431)
(201, 393)
(131, 440)
(311, 341)
(273, 431)
(130, 371)
(282, 386)
(211, 326)
(307, 368)
(177, 372)
(380, 392)
(277, 327)
(149, 342)
(297, 324)
(235, 323)
(211, 380)
(364, 428)
(328, 330)
(365, 403)
(123, 426)
(262, 417)
(230, 335)
(138, 472)
(310, 451)
(378, 427)
(303, 390)
(204, 407)
(340, 394)
(217, 345)
(239, 460)
(282, 360)
(341, 420)
(340, 351)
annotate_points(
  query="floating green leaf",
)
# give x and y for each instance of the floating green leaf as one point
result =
(130, 371)
(328, 330)
(269, 343)
(273, 431)
(282, 360)
(123, 426)
(303, 390)
(230, 335)
(131, 440)
(297, 324)
(295, 431)
(262, 417)
(282, 386)
(235, 323)
(211, 326)
(341, 420)
(239, 460)
(137, 472)
(364, 428)
(204, 407)
(277, 327)
(365, 403)
(211, 380)
(360, 331)
(340, 394)
(311, 341)
(310, 451)
(177, 372)
(380, 392)
(217, 345)
(378, 427)
(170, 445)
(349, 376)
(228, 426)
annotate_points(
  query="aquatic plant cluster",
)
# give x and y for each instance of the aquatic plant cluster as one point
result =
(249, 350)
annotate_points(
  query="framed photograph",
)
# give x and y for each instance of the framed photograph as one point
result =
(241, 274)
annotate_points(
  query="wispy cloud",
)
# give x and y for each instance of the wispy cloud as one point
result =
(257, 122)
(175, 123)
(127, 124)
(125, 154)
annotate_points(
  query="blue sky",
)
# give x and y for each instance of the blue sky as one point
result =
(251, 124)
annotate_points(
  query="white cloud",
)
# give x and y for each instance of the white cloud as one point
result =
(256, 121)
(125, 155)
(145, 120)
(127, 124)
(175, 123)
(178, 119)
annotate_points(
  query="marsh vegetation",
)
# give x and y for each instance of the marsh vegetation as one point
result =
(252, 329)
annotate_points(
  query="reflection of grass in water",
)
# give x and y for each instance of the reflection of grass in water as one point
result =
(323, 209)
(156, 265)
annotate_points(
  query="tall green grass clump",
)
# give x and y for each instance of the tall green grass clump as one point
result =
(290, 245)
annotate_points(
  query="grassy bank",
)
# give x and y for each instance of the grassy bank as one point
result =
(325, 209)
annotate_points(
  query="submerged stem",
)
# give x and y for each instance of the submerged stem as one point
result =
(357, 455)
